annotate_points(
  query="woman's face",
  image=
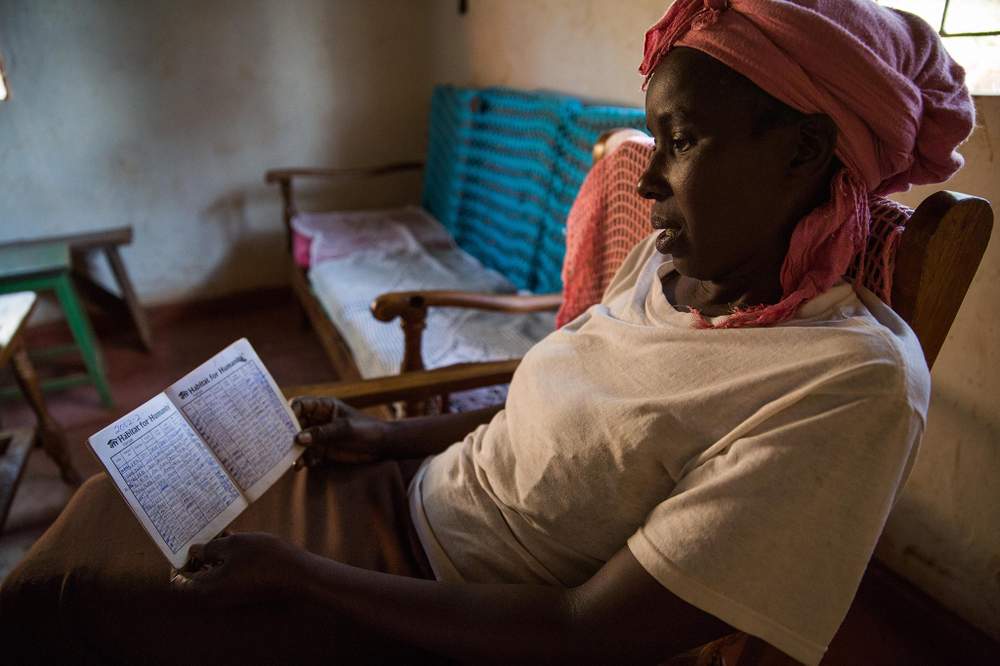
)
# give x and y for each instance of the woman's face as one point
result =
(719, 188)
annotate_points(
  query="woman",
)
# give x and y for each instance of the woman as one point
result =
(649, 484)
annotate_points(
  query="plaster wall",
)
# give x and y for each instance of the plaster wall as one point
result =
(943, 533)
(165, 114)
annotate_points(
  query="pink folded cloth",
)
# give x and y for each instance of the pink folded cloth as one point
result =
(898, 99)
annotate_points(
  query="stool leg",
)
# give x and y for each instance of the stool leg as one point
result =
(52, 436)
(79, 324)
(128, 295)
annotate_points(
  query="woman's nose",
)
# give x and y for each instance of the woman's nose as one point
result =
(652, 183)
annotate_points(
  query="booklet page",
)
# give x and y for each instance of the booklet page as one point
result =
(234, 404)
(171, 481)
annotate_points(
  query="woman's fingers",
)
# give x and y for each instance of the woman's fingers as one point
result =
(338, 441)
(325, 434)
(213, 551)
(309, 410)
(314, 411)
(201, 581)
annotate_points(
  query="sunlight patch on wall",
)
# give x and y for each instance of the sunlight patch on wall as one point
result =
(3, 82)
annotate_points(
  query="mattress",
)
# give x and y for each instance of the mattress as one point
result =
(355, 256)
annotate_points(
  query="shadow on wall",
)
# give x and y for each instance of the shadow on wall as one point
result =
(940, 534)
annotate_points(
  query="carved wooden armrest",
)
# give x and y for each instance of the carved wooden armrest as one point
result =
(411, 386)
(387, 307)
(411, 308)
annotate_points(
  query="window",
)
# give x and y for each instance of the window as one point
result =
(970, 30)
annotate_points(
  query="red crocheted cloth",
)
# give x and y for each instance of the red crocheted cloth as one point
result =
(609, 218)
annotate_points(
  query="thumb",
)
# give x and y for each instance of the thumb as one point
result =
(328, 433)
(212, 551)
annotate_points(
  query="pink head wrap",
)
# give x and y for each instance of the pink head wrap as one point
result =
(898, 100)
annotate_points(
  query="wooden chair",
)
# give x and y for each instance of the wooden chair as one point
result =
(16, 444)
(937, 258)
(58, 264)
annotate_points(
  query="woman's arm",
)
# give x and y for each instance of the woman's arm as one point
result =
(336, 432)
(620, 615)
(425, 435)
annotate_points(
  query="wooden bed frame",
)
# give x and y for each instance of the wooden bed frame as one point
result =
(333, 342)
(409, 307)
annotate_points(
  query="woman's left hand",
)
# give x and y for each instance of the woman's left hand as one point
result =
(242, 568)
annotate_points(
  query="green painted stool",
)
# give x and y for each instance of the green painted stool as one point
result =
(47, 266)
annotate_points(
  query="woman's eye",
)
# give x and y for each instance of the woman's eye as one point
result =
(680, 143)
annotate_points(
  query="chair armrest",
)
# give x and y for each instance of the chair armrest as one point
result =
(387, 307)
(411, 308)
(411, 386)
(287, 174)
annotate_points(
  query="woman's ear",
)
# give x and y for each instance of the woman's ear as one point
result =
(817, 139)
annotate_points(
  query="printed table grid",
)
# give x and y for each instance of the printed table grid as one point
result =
(243, 421)
(178, 484)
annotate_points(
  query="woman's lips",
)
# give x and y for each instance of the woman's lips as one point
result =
(667, 239)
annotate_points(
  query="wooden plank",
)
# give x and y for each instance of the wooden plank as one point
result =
(333, 343)
(80, 241)
(49, 432)
(412, 385)
(277, 175)
(17, 261)
(936, 261)
(16, 445)
(15, 309)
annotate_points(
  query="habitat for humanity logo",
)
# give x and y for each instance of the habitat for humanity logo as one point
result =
(184, 394)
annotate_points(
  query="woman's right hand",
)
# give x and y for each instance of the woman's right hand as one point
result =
(334, 432)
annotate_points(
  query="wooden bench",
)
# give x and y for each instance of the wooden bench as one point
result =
(57, 264)
(501, 173)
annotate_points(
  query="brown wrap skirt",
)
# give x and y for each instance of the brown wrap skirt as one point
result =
(95, 589)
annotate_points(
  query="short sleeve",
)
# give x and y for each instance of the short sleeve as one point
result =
(773, 532)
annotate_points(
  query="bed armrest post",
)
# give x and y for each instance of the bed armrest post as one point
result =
(413, 321)
(289, 212)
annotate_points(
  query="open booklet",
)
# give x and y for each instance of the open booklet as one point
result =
(192, 458)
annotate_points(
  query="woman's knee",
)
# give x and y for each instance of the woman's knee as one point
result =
(97, 485)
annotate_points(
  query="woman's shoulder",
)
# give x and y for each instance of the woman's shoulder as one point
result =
(879, 348)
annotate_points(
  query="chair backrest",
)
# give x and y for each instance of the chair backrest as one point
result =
(919, 262)
(936, 260)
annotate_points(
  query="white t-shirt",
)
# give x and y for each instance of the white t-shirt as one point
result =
(750, 470)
